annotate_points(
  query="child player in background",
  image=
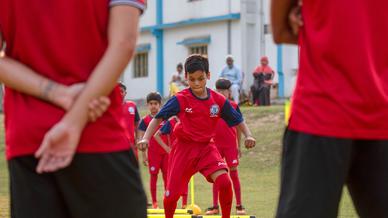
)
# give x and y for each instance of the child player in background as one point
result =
(227, 140)
(157, 156)
(199, 110)
(168, 130)
(131, 118)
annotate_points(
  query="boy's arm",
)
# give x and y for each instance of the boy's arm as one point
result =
(233, 117)
(59, 144)
(19, 77)
(239, 142)
(250, 142)
(161, 142)
(170, 109)
(152, 127)
(282, 28)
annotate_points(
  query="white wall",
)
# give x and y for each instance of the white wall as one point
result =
(149, 16)
(217, 49)
(178, 10)
(138, 88)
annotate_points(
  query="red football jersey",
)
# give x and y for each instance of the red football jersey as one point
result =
(168, 129)
(226, 136)
(131, 117)
(63, 41)
(342, 86)
(153, 144)
(199, 117)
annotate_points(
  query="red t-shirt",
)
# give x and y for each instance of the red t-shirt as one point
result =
(342, 87)
(226, 136)
(153, 144)
(168, 129)
(131, 117)
(63, 41)
(198, 117)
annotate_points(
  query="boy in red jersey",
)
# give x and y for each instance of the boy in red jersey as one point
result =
(337, 133)
(198, 109)
(227, 142)
(168, 130)
(131, 118)
(78, 165)
(157, 155)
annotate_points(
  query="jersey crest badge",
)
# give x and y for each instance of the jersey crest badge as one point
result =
(214, 110)
(131, 110)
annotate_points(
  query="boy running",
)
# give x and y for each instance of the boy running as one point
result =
(156, 157)
(199, 109)
(227, 142)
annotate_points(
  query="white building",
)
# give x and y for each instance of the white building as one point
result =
(171, 30)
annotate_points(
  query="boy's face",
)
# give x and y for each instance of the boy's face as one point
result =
(153, 106)
(224, 92)
(197, 81)
(123, 93)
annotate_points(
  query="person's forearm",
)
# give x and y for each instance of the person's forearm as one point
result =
(281, 30)
(244, 129)
(139, 134)
(19, 77)
(238, 137)
(122, 35)
(151, 129)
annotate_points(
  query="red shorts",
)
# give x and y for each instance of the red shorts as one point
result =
(230, 154)
(157, 161)
(188, 158)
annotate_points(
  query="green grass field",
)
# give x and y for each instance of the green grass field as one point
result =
(259, 169)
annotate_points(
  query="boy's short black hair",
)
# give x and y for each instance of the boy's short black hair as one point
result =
(223, 84)
(154, 96)
(121, 84)
(180, 65)
(196, 62)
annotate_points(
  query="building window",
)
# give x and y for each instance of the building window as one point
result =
(199, 49)
(140, 65)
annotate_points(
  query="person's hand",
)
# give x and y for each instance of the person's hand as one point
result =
(295, 19)
(65, 96)
(58, 147)
(250, 142)
(98, 107)
(145, 159)
(142, 145)
(167, 149)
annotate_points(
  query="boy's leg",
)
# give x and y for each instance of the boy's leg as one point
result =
(180, 169)
(215, 196)
(34, 195)
(164, 169)
(224, 185)
(214, 168)
(184, 196)
(231, 157)
(154, 164)
(103, 185)
(368, 179)
(313, 172)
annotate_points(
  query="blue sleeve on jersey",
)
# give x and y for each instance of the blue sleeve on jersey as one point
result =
(231, 116)
(142, 126)
(137, 116)
(171, 108)
(238, 110)
(166, 128)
